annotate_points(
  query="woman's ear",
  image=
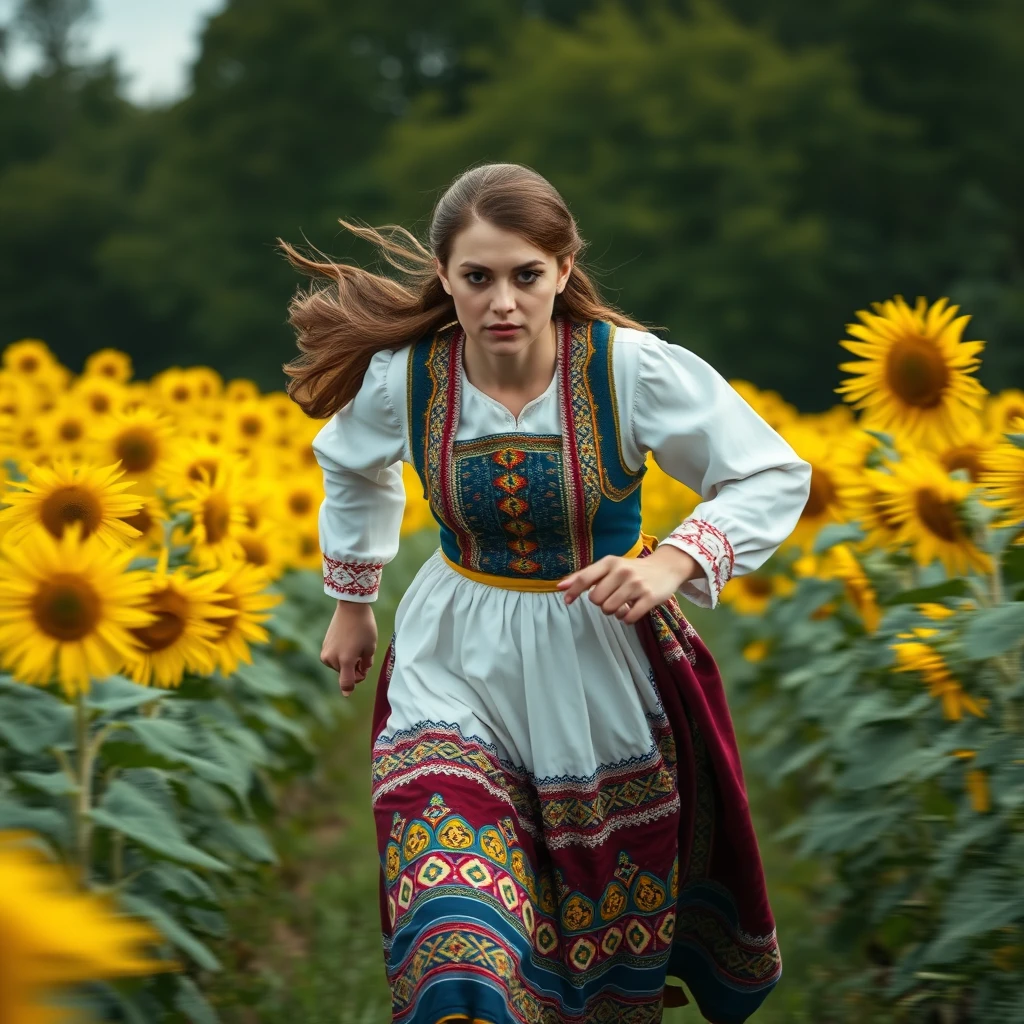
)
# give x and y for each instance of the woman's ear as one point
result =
(564, 272)
(441, 274)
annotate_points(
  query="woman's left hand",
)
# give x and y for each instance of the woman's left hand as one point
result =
(630, 587)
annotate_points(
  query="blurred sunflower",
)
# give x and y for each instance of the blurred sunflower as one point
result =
(299, 498)
(970, 453)
(1004, 480)
(927, 504)
(193, 461)
(33, 360)
(140, 439)
(265, 545)
(67, 607)
(751, 593)
(249, 602)
(176, 391)
(249, 424)
(843, 565)
(915, 370)
(149, 520)
(52, 935)
(181, 637)
(305, 546)
(1005, 411)
(866, 498)
(65, 429)
(756, 650)
(218, 517)
(110, 364)
(55, 496)
(208, 383)
(241, 390)
(100, 394)
(914, 655)
(823, 504)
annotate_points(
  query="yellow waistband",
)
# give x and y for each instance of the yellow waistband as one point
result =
(538, 586)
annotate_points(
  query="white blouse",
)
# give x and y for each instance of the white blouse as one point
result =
(697, 427)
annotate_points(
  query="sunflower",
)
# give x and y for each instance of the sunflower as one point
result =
(67, 607)
(914, 655)
(208, 383)
(971, 453)
(928, 504)
(55, 496)
(65, 429)
(843, 565)
(265, 545)
(241, 390)
(823, 504)
(99, 394)
(218, 517)
(249, 601)
(866, 497)
(140, 439)
(149, 520)
(915, 373)
(249, 424)
(750, 593)
(109, 363)
(756, 650)
(1004, 481)
(181, 638)
(194, 461)
(175, 390)
(298, 499)
(51, 934)
(305, 541)
(32, 359)
(1004, 412)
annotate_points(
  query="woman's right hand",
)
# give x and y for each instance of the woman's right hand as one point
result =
(350, 643)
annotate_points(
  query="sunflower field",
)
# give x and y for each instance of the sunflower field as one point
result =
(161, 614)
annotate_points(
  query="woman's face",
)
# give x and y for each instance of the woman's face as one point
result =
(497, 277)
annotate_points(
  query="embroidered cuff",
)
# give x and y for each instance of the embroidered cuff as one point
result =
(712, 551)
(352, 581)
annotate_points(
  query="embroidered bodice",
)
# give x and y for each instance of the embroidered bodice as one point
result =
(557, 488)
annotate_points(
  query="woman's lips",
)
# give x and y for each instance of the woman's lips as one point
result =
(503, 332)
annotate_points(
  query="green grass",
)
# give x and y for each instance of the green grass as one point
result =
(305, 939)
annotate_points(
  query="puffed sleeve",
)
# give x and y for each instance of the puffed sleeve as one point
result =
(360, 450)
(701, 432)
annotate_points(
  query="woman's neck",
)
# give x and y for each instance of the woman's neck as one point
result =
(527, 370)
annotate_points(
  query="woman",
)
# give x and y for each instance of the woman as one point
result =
(561, 817)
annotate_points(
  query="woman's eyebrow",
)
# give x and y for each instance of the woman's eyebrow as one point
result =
(480, 266)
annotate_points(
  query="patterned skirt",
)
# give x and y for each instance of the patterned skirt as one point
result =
(514, 892)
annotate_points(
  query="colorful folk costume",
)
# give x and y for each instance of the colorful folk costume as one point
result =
(561, 815)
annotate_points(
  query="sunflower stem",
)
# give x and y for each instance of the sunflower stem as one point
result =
(83, 821)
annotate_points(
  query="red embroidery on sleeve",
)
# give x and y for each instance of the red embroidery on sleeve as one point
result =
(709, 543)
(360, 578)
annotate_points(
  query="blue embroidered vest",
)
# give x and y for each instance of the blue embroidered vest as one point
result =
(529, 506)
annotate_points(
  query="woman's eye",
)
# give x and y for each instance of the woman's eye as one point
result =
(473, 275)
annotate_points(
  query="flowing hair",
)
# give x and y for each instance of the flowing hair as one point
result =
(339, 326)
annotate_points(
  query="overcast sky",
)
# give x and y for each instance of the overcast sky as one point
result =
(155, 41)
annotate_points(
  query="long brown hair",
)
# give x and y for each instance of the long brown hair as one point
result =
(340, 326)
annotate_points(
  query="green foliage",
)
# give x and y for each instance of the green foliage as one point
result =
(912, 802)
(162, 798)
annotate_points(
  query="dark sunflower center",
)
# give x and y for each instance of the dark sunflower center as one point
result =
(216, 518)
(196, 471)
(822, 495)
(966, 457)
(99, 403)
(66, 607)
(227, 622)
(71, 430)
(70, 505)
(141, 520)
(308, 546)
(251, 426)
(757, 586)
(916, 372)
(171, 610)
(300, 503)
(180, 393)
(28, 364)
(136, 448)
(255, 550)
(938, 514)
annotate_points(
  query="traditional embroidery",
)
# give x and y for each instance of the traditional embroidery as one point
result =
(357, 578)
(709, 546)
